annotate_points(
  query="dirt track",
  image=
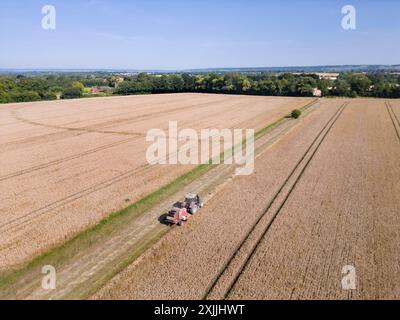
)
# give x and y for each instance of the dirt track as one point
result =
(340, 207)
(65, 165)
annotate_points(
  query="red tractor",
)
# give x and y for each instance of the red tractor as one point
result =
(180, 211)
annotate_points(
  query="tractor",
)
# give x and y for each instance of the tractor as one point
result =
(181, 210)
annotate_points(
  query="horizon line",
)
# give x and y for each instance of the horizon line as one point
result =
(197, 69)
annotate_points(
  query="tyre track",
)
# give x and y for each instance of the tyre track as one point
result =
(72, 157)
(75, 132)
(85, 130)
(61, 160)
(98, 127)
(214, 290)
(28, 217)
(150, 114)
(64, 134)
(394, 118)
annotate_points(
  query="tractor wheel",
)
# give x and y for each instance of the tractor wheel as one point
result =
(201, 203)
(193, 210)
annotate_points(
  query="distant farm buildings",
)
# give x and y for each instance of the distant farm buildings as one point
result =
(97, 90)
(328, 76)
(94, 90)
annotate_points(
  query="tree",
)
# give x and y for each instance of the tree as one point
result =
(324, 86)
(71, 93)
(296, 113)
(342, 88)
(246, 85)
(188, 82)
(50, 96)
(24, 96)
(177, 83)
(200, 83)
(396, 91)
(78, 86)
(165, 84)
(306, 91)
(281, 86)
(359, 83)
(218, 84)
(23, 88)
(5, 97)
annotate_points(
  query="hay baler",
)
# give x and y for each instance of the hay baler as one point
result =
(181, 210)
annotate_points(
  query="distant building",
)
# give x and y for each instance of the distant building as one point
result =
(328, 76)
(98, 90)
(94, 90)
(317, 92)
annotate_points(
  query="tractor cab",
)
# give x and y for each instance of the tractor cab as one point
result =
(193, 202)
(190, 197)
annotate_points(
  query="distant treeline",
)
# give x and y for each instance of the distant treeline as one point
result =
(22, 89)
(51, 87)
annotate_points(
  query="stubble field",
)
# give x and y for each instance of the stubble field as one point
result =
(324, 197)
(65, 165)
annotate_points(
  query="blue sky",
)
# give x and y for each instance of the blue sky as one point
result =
(181, 34)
